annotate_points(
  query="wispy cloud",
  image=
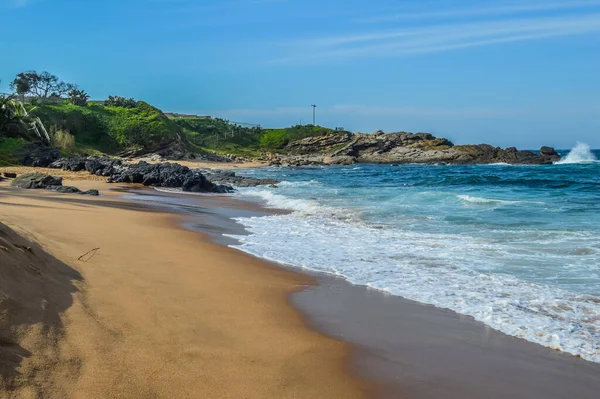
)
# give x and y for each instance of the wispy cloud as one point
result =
(499, 9)
(445, 30)
(365, 110)
(434, 38)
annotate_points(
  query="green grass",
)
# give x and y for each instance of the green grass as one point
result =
(232, 139)
(274, 139)
(243, 141)
(7, 147)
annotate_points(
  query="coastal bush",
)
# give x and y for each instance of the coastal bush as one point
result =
(109, 129)
(143, 126)
(118, 101)
(78, 97)
(87, 126)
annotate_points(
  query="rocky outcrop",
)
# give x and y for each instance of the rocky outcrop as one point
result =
(402, 148)
(171, 175)
(167, 174)
(229, 178)
(319, 144)
(99, 166)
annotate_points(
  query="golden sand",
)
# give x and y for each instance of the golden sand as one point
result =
(157, 312)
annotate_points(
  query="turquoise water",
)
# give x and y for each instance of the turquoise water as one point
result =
(516, 247)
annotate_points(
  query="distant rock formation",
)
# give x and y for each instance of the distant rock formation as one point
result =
(402, 148)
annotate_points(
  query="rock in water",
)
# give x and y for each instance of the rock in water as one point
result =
(36, 180)
(229, 178)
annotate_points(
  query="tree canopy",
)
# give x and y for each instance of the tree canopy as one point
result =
(41, 85)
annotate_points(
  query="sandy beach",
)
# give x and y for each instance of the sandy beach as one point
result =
(153, 310)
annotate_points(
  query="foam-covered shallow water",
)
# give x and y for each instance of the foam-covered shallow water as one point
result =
(516, 247)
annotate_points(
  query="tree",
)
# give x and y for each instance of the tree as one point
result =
(41, 85)
(118, 101)
(78, 97)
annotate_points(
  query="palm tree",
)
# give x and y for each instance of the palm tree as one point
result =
(15, 121)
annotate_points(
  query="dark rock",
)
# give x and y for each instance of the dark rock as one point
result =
(100, 166)
(10, 175)
(36, 180)
(549, 152)
(229, 178)
(36, 155)
(64, 189)
(166, 175)
(72, 190)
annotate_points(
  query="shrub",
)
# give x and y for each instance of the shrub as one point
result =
(118, 101)
(64, 140)
(78, 97)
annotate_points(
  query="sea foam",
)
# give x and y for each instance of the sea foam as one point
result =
(581, 153)
(438, 269)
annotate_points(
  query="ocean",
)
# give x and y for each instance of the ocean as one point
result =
(515, 247)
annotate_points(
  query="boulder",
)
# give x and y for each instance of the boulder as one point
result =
(72, 190)
(64, 189)
(36, 180)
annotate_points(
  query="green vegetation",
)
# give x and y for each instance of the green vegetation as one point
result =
(220, 136)
(275, 139)
(58, 113)
(108, 129)
(8, 146)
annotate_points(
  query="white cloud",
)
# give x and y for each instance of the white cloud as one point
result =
(403, 39)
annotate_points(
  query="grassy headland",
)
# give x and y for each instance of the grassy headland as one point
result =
(98, 128)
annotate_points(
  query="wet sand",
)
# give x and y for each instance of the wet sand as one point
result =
(157, 311)
(418, 351)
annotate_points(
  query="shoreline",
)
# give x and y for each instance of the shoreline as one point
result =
(394, 346)
(231, 333)
(406, 347)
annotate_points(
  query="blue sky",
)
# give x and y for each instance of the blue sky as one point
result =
(522, 73)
